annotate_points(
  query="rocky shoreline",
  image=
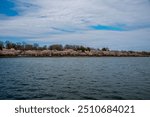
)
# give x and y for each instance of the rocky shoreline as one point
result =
(70, 53)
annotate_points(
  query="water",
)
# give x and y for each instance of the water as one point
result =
(75, 78)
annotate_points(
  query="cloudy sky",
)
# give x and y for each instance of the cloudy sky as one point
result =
(117, 24)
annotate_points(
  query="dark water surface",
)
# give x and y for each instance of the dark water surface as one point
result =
(75, 78)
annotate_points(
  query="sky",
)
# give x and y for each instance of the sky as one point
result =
(117, 24)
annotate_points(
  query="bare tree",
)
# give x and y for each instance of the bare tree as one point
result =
(56, 47)
(1, 45)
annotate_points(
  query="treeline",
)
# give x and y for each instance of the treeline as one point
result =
(20, 46)
(35, 46)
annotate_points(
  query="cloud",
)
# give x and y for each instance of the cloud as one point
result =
(72, 19)
(115, 40)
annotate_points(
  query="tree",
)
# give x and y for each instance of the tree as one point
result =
(23, 45)
(88, 49)
(28, 47)
(74, 47)
(1, 45)
(10, 45)
(35, 46)
(77, 47)
(82, 48)
(44, 47)
(19, 46)
(105, 49)
(56, 47)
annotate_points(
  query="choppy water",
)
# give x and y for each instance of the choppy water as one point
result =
(75, 78)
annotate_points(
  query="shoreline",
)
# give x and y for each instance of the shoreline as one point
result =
(5, 53)
(71, 56)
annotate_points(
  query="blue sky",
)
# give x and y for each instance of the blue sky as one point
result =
(6, 8)
(119, 25)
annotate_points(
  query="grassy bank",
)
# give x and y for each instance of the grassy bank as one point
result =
(70, 52)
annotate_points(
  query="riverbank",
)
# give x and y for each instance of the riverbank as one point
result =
(70, 52)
